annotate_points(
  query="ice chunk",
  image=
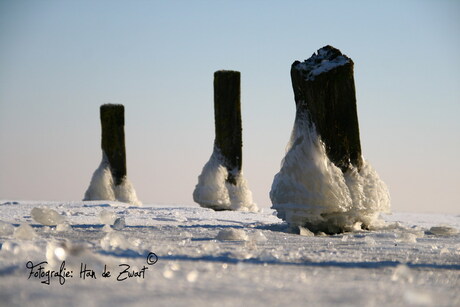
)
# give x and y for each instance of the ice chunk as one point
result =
(6, 229)
(407, 237)
(24, 232)
(232, 235)
(402, 273)
(63, 227)
(114, 240)
(259, 236)
(305, 232)
(213, 191)
(107, 217)
(47, 216)
(119, 223)
(443, 230)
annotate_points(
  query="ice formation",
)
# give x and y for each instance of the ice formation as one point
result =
(213, 191)
(46, 216)
(443, 230)
(232, 235)
(119, 223)
(305, 232)
(114, 240)
(6, 229)
(259, 237)
(310, 191)
(103, 187)
(63, 227)
(107, 217)
(24, 232)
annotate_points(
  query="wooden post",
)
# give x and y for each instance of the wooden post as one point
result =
(227, 115)
(324, 89)
(113, 139)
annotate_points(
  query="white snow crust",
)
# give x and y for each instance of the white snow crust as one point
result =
(102, 186)
(413, 261)
(310, 190)
(321, 62)
(213, 191)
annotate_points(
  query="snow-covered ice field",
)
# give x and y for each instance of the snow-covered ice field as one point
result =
(208, 258)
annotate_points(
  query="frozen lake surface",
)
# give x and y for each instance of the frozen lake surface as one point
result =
(165, 255)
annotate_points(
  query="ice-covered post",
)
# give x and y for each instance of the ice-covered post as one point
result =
(113, 139)
(324, 87)
(324, 183)
(221, 184)
(227, 117)
(109, 181)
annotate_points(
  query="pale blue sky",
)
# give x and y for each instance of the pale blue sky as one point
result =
(60, 60)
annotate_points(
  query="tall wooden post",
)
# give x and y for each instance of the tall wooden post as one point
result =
(227, 116)
(113, 139)
(324, 90)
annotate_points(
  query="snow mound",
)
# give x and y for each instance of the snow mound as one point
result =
(6, 229)
(310, 191)
(102, 186)
(213, 191)
(232, 235)
(24, 232)
(46, 216)
(443, 230)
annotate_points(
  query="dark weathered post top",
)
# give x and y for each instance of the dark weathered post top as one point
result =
(324, 90)
(227, 115)
(113, 139)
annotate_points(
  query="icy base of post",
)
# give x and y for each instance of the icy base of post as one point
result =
(102, 187)
(310, 191)
(214, 192)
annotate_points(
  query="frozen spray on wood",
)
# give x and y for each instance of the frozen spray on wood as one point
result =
(221, 185)
(109, 181)
(324, 183)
